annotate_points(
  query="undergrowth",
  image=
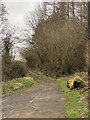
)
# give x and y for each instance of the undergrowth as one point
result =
(77, 104)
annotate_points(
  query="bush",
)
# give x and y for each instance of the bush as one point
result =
(57, 50)
(16, 69)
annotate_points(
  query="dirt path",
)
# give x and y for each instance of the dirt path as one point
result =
(42, 101)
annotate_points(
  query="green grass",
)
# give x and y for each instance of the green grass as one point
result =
(77, 104)
(13, 86)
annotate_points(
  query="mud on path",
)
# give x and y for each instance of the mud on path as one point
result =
(45, 100)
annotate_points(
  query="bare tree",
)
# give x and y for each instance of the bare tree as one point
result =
(55, 48)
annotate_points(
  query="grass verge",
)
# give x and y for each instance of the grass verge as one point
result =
(77, 104)
(13, 86)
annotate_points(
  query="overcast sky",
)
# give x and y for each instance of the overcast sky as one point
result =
(17, 10)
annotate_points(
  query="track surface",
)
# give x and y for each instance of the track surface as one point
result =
(44, 100)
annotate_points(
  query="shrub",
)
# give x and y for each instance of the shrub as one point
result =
(18, 69)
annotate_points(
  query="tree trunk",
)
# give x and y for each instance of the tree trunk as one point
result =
(89, 52)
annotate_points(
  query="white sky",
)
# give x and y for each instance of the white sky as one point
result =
(17, 10)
